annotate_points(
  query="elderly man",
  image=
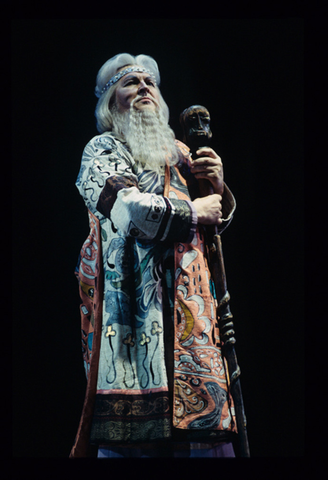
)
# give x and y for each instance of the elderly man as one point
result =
(157, 384)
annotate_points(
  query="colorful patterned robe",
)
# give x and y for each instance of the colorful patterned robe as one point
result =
(150, 338)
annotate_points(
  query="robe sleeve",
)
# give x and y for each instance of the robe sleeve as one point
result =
(110, 189)
(148, 216)
(228, 208)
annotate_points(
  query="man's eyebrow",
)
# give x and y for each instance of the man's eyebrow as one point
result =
(129, 77)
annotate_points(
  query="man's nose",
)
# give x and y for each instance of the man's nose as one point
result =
(143, 87)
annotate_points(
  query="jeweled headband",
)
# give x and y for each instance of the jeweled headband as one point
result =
(121, 74)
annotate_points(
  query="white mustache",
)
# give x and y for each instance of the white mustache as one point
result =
(140, 97)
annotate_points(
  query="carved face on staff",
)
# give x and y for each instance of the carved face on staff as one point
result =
(195, 123)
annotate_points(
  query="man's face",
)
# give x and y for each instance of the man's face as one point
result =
(140, 86)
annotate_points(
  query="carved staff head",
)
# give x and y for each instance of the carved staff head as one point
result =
(195, 123)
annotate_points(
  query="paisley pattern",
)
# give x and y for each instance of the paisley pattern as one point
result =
(128, 215)
(86, 272)
(187, 401)
(198, 361)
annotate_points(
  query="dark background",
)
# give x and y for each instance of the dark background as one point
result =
(249, 74)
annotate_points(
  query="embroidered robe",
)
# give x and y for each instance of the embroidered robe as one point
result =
(150, 338)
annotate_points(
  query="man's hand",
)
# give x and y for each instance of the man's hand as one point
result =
(209, 166)
(209, 209)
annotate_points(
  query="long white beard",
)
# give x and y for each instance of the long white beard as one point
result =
(149, 137)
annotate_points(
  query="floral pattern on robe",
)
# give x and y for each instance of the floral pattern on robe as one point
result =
(134, 226)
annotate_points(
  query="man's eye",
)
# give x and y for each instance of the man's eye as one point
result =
(130, 81)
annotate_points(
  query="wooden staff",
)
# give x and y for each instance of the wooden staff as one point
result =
(195, 122)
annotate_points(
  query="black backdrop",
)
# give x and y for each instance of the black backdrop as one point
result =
(249, 74)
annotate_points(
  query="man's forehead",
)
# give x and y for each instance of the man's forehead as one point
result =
(124, 71)
(134, 73)
(139, 75)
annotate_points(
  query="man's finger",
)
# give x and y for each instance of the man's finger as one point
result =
(207, 150)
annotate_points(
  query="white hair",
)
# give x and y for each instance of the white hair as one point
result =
(107, 99)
